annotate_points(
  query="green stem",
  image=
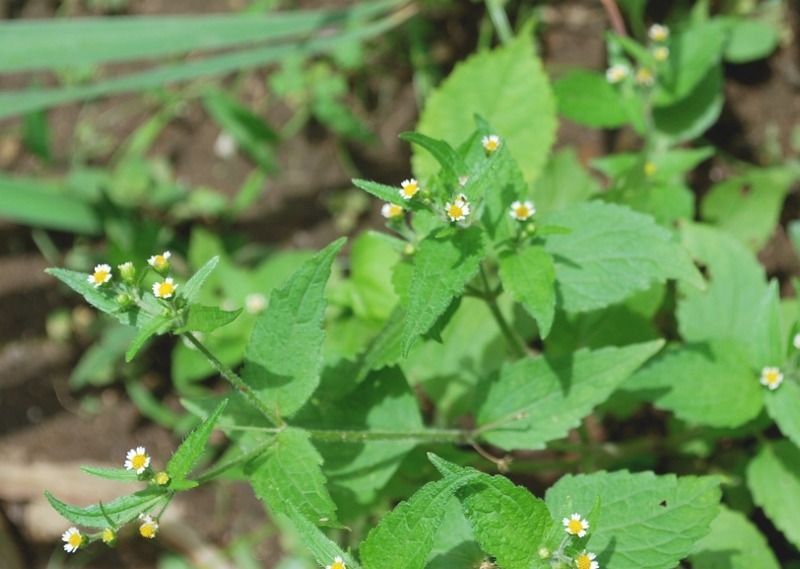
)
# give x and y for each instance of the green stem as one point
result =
(500, 20)
(490, 297)
(241, 459)
(235, 381)
(357, 436)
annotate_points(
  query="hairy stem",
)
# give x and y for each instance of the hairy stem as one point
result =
(357, 436)
(514, 342)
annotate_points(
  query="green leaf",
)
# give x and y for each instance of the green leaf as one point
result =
(442, 267)
(733, 543)
(283, 355)
(646, 522)
(529, 276)
(389, 194)
(191, 290)
(117, 474)
(749, 40)
(565, 172)
(451, 162)
(205, 319)
(455, 546)
(291, 475)
(773, 477)
(33, 202)
(103, 298)
(119, 512)
(519, 106)
(611, 253)
(154, 325)
(693, 114)
(748, 206)
(192, 448)
(405, 536)
(320, 545)
(706, 383)
(782, 407)
(587, 98)
(538, 400)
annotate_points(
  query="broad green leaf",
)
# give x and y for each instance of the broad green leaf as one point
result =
(149, 327)
(693, 114)
(452, 163)
(748, 206)
(205, 319)
(442, 267)
(34, 202)
(563, 182)
(782, 406)
(538, 400)
(735, 299)
(646, 521)
(733, 543)
(191, 290)
(118, 512)
(611, 253)
(386, 348)
(404, 537)
(508, 521)
(193, 447)
(706, 383)
(749, 40)
(519, 106)
(282, 358)
(291, 475)
(773, 477)
(320, 545)
(117, 474)
(529, 276)
(587, 98)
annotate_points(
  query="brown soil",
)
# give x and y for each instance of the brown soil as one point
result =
(46, 430)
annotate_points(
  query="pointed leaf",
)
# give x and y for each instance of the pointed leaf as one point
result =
(320, 545)
(782, 406)
(283, 356)
(404, 537)
(451, 162)
(773, 477)
(191, 290)
(103, 298)
(155, 325)
(389, 194)
(121, 511)
(538, 400)
(118, 474)
(442, 267)
(529, 276)
(201, 318)
(291, 475)
(193, 446)
(646, 521)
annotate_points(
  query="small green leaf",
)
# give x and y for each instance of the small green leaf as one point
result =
(404, 537)
(191, 290)
(782, 407)
(155, 325)
(451, 162)
(442, 267)
(320, 545)
(538, 400)
(193, 446)
(611, 253)
(749, 40)
(118, 474)
(291, 474)
(529, 276)
(646, 522)
(587, 98)
(733, 543)
(693, 114)
(119, 512)
(103, 298)
(389, 194)
(773, 477)
(283, 355)
(201, 318)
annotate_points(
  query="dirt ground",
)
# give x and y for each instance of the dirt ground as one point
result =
(46, 430)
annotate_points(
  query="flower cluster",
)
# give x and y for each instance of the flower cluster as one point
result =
(165, 288)
(645, 74)
(575, 526)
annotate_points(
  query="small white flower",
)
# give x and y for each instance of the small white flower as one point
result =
(157, 261)
(73, 539)
(457, 211)
(137, 459)
(462, 180)
(490, 143)
(617, 73)
(658, 33)
(586, 561)
(644, 77)
(164, 289)
(771, 377)
(225, 146)
(522, 210)
(100, 276)
(149, 527)
(661, 53)
(409, 188)
(575, 525)
(390, 210)
(255, 302)
(796, 341)
(338, 563)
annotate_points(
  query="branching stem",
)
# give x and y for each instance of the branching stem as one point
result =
(511, 337)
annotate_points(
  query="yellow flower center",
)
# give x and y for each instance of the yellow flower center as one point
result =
(575, 527)
(523, 212)
(108, 535)
(491, 145)
(771, 376)
(395, 210)
(162, 478)
(165, 289)
(583, 561)
(650, 169)
(75, 539)
(139, 461)
(661, 54)
(337, 565)
(148, 531)
(455, 211)
(100, 277)
(410, 189)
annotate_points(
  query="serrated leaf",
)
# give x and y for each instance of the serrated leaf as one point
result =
(389, 194)
(611, 253)
(782, 406)
(646, 522)
(118, 474)
(442, 267)
(119, 512)
(404, 537)
(283, 355)
(155, 325)
(538, 400)
(451, 162)
(321, 547)
(455, 546)
(291, 474)
(191, 290)
(103, 298)
(508, 521)
(201, 318)
(193, 446)
(709, 384)
(773, 477)
(733, 543)
(528, 274)
(519, 106)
